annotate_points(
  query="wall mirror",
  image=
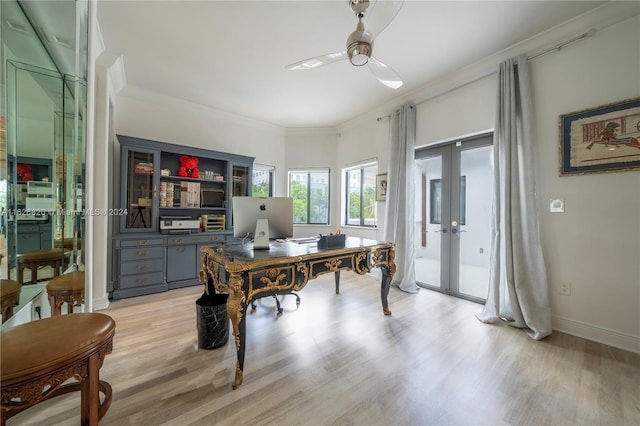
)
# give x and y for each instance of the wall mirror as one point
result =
(42, 148)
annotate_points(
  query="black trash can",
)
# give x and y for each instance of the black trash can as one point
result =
(212, 320)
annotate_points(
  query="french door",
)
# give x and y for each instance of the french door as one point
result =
(454, 199)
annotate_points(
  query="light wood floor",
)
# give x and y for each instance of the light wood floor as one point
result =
(338, 360)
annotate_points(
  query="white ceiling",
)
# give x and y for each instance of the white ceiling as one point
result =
(231, 55)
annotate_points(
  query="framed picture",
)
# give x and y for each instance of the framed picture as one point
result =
(601, 139)
(381, 187)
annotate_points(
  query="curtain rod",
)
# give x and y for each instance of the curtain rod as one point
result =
(589, 33)
(557, 47)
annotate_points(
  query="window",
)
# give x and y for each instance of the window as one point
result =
(310, 192)
(436, 196)
(360, 191)
(262, 181)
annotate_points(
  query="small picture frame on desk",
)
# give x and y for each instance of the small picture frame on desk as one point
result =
(381, 187)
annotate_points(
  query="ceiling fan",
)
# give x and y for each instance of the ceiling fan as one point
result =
(360, 42)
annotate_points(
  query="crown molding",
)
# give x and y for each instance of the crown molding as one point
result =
(144, 95)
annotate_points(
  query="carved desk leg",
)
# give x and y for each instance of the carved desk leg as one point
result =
(337, 273)
(384, 289)
(236, 308)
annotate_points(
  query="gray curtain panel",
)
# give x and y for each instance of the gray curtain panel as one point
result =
(399, 224)
(518, 289)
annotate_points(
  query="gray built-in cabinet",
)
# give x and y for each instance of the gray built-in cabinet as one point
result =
(148, 259)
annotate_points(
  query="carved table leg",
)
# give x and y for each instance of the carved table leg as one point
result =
(384, 289)
(337, 273)
(236, 308)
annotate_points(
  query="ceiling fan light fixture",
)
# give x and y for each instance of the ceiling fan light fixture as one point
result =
(359, 53)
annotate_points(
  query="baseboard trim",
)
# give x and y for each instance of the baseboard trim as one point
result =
(613, 338)
(100, 303)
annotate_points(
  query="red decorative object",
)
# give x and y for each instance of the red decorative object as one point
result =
(24, 172)
(188, 167)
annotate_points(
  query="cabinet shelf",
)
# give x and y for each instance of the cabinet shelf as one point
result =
(154, 193)
(179, 178)
(193, 208)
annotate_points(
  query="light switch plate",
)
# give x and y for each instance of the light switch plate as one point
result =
(556, 205)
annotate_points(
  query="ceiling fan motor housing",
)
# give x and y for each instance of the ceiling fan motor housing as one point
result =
(359, 46)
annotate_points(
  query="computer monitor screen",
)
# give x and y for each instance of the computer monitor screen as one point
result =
(277, 210)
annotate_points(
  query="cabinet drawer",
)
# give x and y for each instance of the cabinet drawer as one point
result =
(214, 239)
(141, 253)
(140, 280)
(142, 242)
(28, 228)
(153, 265)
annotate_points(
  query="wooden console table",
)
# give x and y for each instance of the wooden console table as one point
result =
(247, 275)
(40, 356)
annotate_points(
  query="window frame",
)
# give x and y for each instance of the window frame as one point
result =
(362, 219)
(309, 172)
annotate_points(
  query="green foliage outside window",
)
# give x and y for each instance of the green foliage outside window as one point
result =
(298, 192)
(310, 193)
(361, 196)
(261, 189)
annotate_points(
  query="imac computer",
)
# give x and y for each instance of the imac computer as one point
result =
(262, 218)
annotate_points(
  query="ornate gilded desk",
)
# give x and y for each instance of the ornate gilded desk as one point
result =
(246, 274)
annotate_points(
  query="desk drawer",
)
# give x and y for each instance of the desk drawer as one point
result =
(151, 265)
(141, 253)
(140, 280)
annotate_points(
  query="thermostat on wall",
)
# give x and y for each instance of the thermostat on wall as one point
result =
(556, 205)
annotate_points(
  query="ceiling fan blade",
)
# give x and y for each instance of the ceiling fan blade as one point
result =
(318, 61)
(380, 15)
(384, 73)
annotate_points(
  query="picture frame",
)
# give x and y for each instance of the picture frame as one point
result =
(381, 187)
(601, 139)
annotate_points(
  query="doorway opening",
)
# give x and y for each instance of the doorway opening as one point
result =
(454, 196)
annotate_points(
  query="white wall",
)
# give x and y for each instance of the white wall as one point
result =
(152, 116)
(595, 245)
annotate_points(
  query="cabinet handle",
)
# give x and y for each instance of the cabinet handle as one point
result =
(141, 280)
(142, 252)
(142, 267)
(214, 239)
(181, 249)
(143, 243)
(177, 240)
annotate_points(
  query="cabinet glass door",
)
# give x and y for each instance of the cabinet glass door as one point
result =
(140, 190)
(240, 180)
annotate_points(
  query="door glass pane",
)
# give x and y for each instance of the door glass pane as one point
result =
(476, 176)
(139, 190)
(428, 235)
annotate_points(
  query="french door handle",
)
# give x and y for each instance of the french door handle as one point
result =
(444, 230)
(454, 231)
